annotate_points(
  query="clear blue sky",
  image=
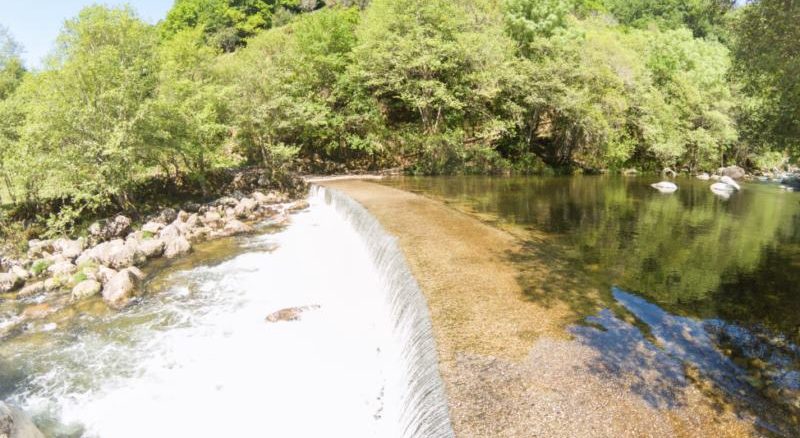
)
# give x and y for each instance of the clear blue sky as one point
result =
(36, 23)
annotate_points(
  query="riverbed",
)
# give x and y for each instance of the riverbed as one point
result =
(592, 306)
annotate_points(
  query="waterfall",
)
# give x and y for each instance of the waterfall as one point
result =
(414, 389)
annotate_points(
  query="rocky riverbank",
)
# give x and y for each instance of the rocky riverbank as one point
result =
(57, 273)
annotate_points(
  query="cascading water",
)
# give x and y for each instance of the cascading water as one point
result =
(196, 357)
(416, 385)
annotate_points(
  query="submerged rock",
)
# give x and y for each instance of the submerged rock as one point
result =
(290, 313)
(14, 423)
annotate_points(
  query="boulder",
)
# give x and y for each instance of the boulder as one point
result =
(734, 172)
(62, 268)
(9, 281)
(236, 227)
(152, 227)
(69, 248)
(37, 247)
(136, 272)
(211, 218)
(192, 221)
(54, 283)
(150, 248)
(201, 233)
(298, 205)
(166, 216)
(115, 254)
(31, 289)
(105, 274)
(121, 288)
(37, 311)
(171, 231)
(244, 208)
(175, 246)
(86, 289)
(290, 313)
(192, 207)
(261, 198)
(14, 423)
(20, 272)
(669, 172)
(703, 176)
(108, 229)
(226, 201)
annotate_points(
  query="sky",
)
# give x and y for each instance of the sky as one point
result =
(35, 24)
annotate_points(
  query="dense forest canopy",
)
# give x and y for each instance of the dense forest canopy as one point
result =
(432, 86)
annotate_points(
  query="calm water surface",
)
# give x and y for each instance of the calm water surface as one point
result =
(712, 283)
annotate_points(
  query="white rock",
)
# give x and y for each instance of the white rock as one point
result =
(665, 186)
(86, 289)
(121, 288)
(62, 268)
(9, 281)
(152, 227)
(176, 246)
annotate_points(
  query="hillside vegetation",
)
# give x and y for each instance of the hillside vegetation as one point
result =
(431, 86)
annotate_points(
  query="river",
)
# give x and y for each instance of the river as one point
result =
(196, 357)
(705, 283)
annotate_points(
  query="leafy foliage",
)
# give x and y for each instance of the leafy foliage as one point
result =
(431, 86)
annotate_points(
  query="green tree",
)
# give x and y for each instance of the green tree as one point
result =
(78, 139)
(703, 17)
(186, 124)
(767, 59)
(226, 22)
(286, 87)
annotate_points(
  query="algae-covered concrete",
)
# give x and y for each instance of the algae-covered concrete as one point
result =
(509, 365)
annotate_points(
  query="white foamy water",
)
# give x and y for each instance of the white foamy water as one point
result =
(198, 358)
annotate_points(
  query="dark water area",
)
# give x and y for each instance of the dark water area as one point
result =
(706, 283)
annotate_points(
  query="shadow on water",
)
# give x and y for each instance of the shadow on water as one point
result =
(683, 349)
(717, 281)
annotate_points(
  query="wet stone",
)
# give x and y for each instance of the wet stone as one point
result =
(290, 313)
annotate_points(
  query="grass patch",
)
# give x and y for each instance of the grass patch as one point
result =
(79, 277)
(40, 266)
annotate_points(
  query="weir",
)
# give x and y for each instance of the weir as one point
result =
(416, 383)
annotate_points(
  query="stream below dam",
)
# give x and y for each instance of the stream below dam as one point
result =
(314, 329)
